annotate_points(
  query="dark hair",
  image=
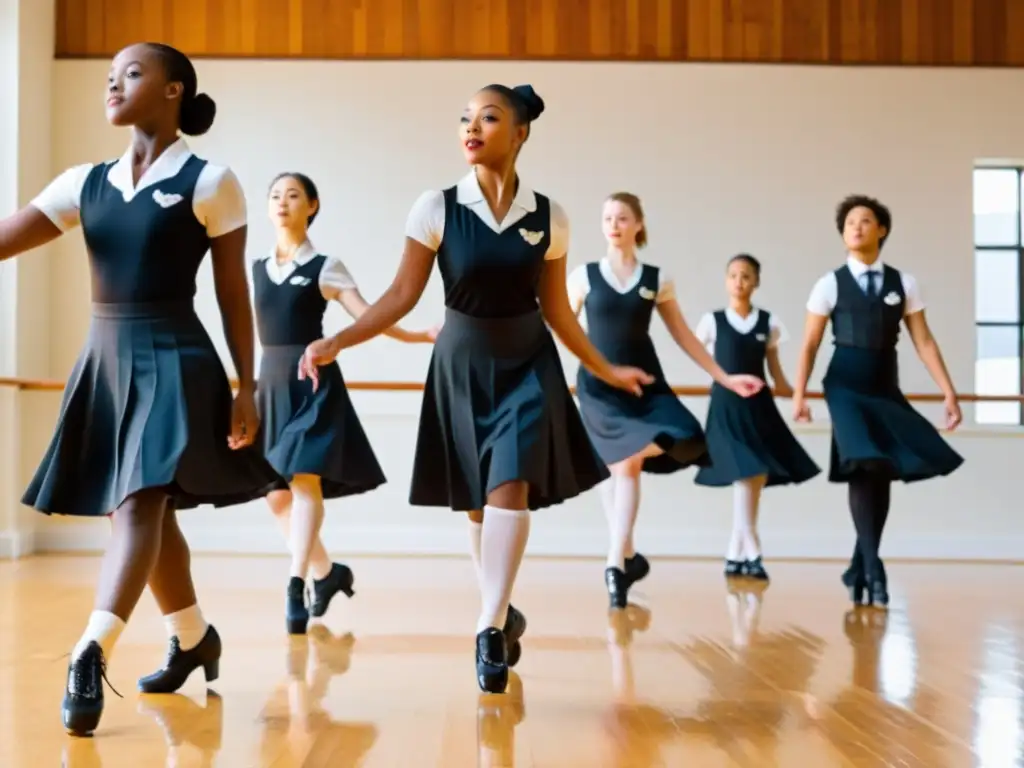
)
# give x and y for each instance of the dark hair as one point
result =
(746, 258)
(882, 214)
(628, 198)
(312, 193)
(526, 103)
(197, 109)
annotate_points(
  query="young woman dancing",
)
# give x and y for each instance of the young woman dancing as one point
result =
(750, 444)
(147, 424)
(655, 432)
(499, 432)
(313, 439)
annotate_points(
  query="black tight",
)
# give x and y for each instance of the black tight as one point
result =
(869, 507)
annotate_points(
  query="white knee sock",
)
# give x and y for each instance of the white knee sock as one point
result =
(103, 628)
(502, 544)
(475, 533)
(319, 561)
(188, 625)
(626, 502)
(744, 544)
(307, 515)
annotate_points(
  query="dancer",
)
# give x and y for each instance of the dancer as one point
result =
(147, 424)
(313, 439)
(499, 432)
(750, 444)
(877, 436)
(654, 433)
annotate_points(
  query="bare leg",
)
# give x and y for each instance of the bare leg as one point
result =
(130, 557)
(172, 586)
(307, 515)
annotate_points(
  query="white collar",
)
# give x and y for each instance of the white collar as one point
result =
(858, 267)
(164, 167)
(303, 254)
(468, 192)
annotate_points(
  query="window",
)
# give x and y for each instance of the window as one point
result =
(998, 290)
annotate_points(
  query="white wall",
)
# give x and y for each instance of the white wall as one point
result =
(726, 158)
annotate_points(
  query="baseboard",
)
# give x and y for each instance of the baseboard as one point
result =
(15, 545)
(565, 542)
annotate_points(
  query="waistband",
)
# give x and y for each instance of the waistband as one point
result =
(143, 310)
(516, 336)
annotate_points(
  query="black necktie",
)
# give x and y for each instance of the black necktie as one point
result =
(873, 283)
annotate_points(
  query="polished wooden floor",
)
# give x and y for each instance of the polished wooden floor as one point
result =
(693, 675)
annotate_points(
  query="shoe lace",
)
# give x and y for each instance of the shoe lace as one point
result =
(82, 667)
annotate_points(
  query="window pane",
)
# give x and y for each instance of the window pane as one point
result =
(996, 287)
(997, 372)
(996, 212)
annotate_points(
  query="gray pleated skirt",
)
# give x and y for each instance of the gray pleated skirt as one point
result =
(497, 409)
(148, 405)
(314, 433)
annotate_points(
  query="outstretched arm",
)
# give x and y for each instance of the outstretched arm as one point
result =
(356, 306)
(928, 350)
(27, 229)
(687, 341)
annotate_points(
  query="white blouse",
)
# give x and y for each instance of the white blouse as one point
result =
(825, 293)
(218, 200)
(425, 223)
(334, 275)
(707, 329)
(578, 282)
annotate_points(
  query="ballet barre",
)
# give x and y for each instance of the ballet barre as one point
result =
(45, 385)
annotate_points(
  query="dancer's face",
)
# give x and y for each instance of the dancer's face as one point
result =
(741, 280)
(861, 231)
(620, 224)
(488, 130)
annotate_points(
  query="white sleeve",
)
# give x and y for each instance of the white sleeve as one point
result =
(823, 296)
(425, 223)
(578, 286)
(706, 329)
(558, 246)
(61, 200)
(914, 300)
(666, 287)
(335, 278)
(219, 202)
(777, 333)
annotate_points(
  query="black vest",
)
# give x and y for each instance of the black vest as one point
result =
(742, 353)
(148, 249)
(290, 313)
(488, 274)
(868, 322)
(618, 324)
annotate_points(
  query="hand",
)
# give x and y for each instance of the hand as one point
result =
(744, 385)
(801, 411)
(783, 390)
(953, 415)
(431, 334)
(320, 352)
(629, 378)
(245, 420)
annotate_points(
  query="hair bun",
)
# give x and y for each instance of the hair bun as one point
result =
(197, 115)
(534, 103)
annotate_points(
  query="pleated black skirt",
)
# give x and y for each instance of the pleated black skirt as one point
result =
(621, 425)
(747, 437)
(497, 409)
(874, 427)
(148, 405)
(314, 433)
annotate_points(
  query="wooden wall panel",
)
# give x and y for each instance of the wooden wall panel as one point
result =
(894, 32)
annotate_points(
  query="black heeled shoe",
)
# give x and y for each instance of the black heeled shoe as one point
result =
(83, 695)
(733, 568)
(637, 568)
(515, 627)
(180, 664)
(491, 661)
(855, 585)
(754, 569)
(296, 614)
(878, 592)
(618, 587)
(340, 579)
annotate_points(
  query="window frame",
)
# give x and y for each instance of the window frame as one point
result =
(1017, 325)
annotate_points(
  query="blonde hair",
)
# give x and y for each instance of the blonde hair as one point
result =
(628, 198)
